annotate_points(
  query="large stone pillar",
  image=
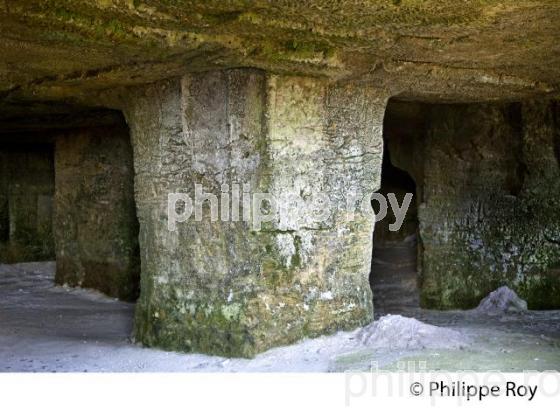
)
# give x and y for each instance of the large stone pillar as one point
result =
(227, 287)
(95, 225)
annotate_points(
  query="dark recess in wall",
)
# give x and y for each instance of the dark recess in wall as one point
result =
(26, 192)
(555, 106)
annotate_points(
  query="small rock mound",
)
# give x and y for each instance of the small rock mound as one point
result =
(397, 332)
(502, 300)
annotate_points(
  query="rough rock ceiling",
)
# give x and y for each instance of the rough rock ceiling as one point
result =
(432, 50)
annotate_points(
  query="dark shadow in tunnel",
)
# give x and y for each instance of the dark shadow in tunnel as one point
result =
(393, 276)
(26, 200)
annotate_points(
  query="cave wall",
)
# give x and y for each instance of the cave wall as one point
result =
(490, 212)
(95, 224)
(26, 196)
(224, 287)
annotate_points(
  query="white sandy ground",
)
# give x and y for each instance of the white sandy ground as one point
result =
(45, 328)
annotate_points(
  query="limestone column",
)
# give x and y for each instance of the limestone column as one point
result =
(95, 225)
(226, 287)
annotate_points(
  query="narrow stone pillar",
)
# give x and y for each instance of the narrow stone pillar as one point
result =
(95, 225)
(230, 287)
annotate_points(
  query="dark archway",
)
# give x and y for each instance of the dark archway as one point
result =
(393, 275)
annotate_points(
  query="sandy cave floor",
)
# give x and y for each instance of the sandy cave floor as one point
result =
(46, 328)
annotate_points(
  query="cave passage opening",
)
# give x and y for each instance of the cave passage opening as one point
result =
(393, 275)
(484, 215)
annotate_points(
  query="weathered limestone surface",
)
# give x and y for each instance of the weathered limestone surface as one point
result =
(452, 50)
(26, 192)
(95, 223)
(491, 208)
(226, 287)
